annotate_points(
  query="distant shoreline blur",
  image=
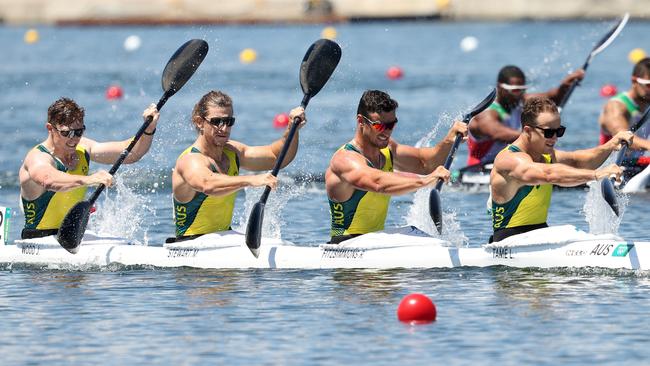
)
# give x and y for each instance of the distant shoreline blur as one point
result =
(155, 12)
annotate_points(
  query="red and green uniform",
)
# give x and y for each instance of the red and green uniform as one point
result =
(483, 150)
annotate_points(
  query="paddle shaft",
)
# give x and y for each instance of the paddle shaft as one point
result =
(575, 83)
(128, 149)
(285, 148)
(452, 152)
(450, 158)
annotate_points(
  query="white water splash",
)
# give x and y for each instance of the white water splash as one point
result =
(418, 214)
(599, 215)
(539, 74)
(273, 218)
(122, 213)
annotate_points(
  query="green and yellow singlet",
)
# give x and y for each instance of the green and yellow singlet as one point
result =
(364, 212)
(48, 210)
(529, 206)
(206, 214)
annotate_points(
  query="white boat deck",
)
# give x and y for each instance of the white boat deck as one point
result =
(408, 247)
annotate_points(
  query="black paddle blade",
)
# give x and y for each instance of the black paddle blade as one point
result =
(182, 65)
(73, 226)
(435, 209)
(607, 189)
(254, 229)
(317, 66)
(481, 106)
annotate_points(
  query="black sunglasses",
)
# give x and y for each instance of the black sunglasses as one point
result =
(550, 132)
(72, 132)
(219, 121)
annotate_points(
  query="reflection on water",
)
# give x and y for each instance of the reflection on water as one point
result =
(529, 287)
(365, 286)
(209, 288)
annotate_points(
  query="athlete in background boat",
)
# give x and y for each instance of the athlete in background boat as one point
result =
(360, 178)
(499, 124)
(524, 172)
(206, 178)
(54, 175)
(624, 110)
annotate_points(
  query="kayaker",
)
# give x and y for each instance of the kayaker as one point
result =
(55, 174)
(499, 124)
(206, 178)
(371, 167)
(624, 110)
(524, 172)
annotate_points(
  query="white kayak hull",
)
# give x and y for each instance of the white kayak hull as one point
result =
(398, 248)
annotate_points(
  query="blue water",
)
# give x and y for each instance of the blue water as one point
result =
(124, 315)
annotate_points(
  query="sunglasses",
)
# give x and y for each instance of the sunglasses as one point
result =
(550, 132)
(221, 121)
(644, 82)
(380, 126)
(513, 88)
(72, 132)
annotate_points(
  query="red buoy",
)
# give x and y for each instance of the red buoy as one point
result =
(114, 92)
(394, 73)
(281, 120)
(608, 90)
(416, 309)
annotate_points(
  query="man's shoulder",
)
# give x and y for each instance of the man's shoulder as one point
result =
(189, 156)
(234, 145)
(344, 159)
(38, 154)
(507, 157)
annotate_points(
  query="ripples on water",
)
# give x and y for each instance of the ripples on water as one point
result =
(503, 315)
(186, 316)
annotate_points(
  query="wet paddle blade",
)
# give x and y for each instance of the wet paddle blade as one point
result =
(435, 209)
(73, 226)
(598, 48)
(607, 189)
(481, 106)
(254, 229)
(317, 66)
(182, 65)
(611, 35)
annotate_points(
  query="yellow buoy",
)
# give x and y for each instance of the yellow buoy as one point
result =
(31, 36)
(329, 33)
(636, 55)
(442, 5)
(247, 56)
